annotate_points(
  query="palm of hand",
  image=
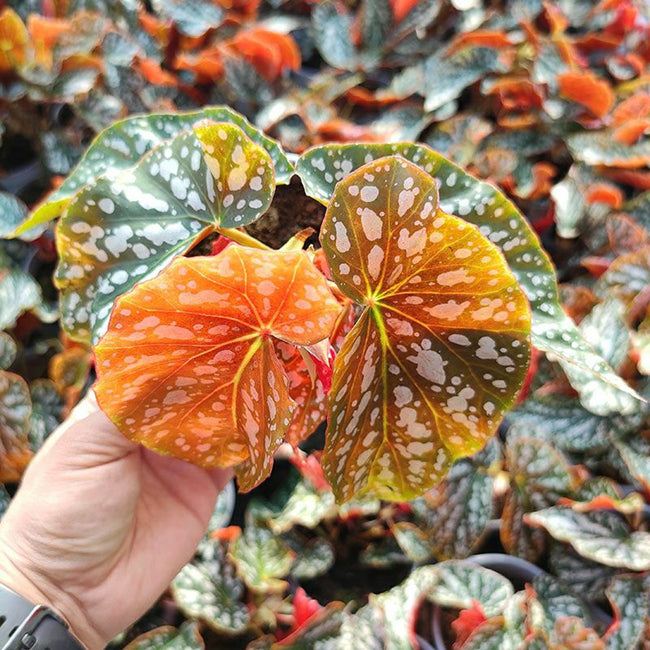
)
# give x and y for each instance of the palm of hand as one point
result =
(105, 524)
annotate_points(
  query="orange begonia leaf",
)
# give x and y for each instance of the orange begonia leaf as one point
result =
(441, 348)
(188, 366)
(637, 106)
(13, 40)
(494, 39)
(632, 131)
(269, 52)
(605, 193)
(207, 64)
(154, 74)
(46, 30)
(588, 90)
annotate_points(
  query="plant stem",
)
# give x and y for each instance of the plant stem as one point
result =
(242, 238)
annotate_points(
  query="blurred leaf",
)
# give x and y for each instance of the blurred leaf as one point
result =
(461, 583)
(15, 409)
(333, 36)
(19, 292)
(124, 143)
(568, 424)
(169, 638)
(601, 149)
(220, 518)
(585, 576)
(8, 350)
(5, 499)
(313, 558)
(630, 601)
(211, 592)
(47, 411)
(399, 607)
(556, 599)
(604, 328)
(569, 207)
(446, 76)
(539, 476)
(128, 225)
(601, 536)
(262, 559)
(601, 389)
(318, 631)
(627, 275)
(387, 267)
(192, 17)
(13, 213)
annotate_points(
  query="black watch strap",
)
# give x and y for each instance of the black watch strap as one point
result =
(25, 626)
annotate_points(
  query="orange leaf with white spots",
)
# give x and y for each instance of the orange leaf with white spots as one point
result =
(588, 90)
(441, 349)
(188, 366)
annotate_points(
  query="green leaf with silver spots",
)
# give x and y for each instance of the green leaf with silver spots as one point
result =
(602, 536)
(601, 389)
(129, 225)
(211, 592)
(262, 559)
(123, 144)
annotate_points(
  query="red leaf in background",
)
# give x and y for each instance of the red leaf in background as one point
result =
(154, 74)
(227, 534)
(588, 90)
(468, 620)
(310, 468)
(304, 607)
(632, 132)
(207, 64)
(268, 52)
(495, 39)
(535, 356)
(401, 8)
(220, 244)
(596, 265)
(605, 193)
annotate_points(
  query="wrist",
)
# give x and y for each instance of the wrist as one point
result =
(39, 592)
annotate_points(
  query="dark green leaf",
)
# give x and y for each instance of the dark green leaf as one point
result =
(333, 35)
(211, 592)
(447, 76)
(539, 476)
(631, 604)
(192, 17)
(47, 411)
(601, 536)
(8, 350)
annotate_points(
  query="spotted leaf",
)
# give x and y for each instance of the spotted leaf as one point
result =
(456, 513)
(441, 347)
(631, 605)
(15, 409)
(169, 638)
(211, 591)
(601, 389)
(262, 559)
(601, 536)
(188, 366)
(8, 350)
(128, 225)
(123, 144)
(602, 149)
(539, 476)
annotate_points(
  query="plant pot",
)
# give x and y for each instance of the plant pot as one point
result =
(515, 569)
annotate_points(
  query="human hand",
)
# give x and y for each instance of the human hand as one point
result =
(100, 525)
